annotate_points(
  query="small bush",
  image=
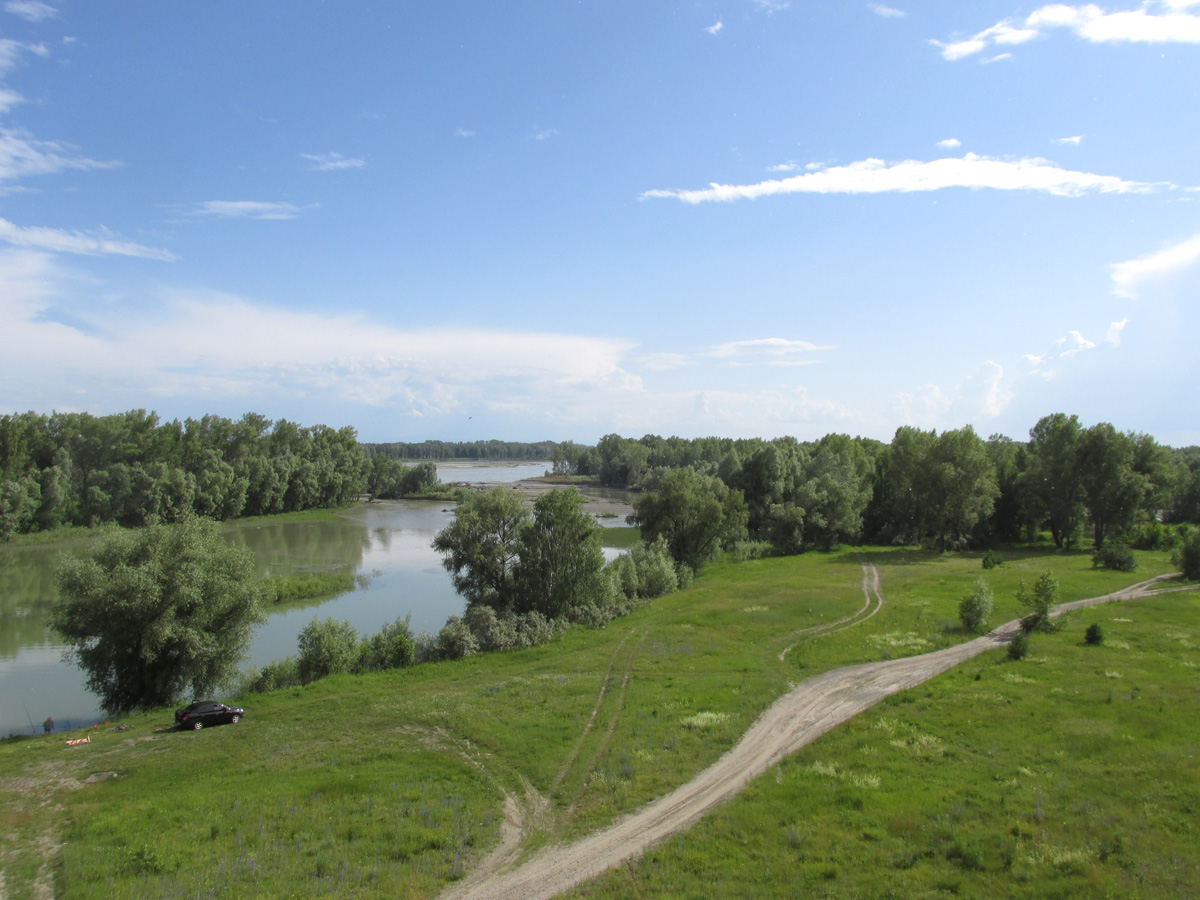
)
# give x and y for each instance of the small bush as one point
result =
(392, 648)
(273, 676)
(1187, 557)
(454, 641)
(1018, 647)
(991, 559)
(327, 648)
(1095, 634)
(1041, 602)
(1115, 556)
(974, 609)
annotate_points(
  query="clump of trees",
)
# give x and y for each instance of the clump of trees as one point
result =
(975, 608)
(130, 468)
(157, 613)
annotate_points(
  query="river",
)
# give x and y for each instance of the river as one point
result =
(388, 542)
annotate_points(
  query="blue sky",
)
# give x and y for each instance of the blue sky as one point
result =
(468, 220)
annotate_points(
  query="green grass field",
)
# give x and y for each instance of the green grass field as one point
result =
(1069, 774)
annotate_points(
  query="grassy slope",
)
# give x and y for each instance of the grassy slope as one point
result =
(389, 785)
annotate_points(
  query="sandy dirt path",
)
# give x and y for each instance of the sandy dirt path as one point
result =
(796, 719)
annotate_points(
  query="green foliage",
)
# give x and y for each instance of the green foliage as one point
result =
(1116, 556)
(694, 514)
(1187, 557)
(559, 557)
(974, 609)
(306, 585)
(454, 641)
(1155, 536)
(1018, 647)
(1041, 601)
(152, 614)
(327, 647)
(992, 559)
(281, 674)
(1053, 478)
(394, 647)
(497, 633)
(480, 547)
(1094, 634)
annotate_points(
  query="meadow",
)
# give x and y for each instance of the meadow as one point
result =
(1071, 772)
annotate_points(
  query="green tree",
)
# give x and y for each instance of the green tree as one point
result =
(157, 613)
(694, 513)
(1112, 490)
(1052, 478)
(1187, 557)
(392, 648)
(560, 557)
(480, 546)
(1040, 603)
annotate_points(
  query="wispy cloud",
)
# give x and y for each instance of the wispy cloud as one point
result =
(10, 52)
(332, 162)
(875, 176)
(1165, 21)
(715, 28)
(950, 143)
(770, 7)
(1047, 364)
(31, 10)
(1129, 279)
(96, 243)
(886, 11)
(1072, 141)
(247, 209)
(1114, 332)
(999, 57)
(544, 134)
(22, 155)
(767, 351)
(9, 99)
(463, 133)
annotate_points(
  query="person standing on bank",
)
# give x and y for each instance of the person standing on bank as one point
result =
(48, 725)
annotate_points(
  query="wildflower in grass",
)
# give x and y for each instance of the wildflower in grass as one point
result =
(703, 720)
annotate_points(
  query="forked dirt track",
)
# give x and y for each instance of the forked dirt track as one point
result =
(796, 719)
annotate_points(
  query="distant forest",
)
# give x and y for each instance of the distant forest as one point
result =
(948, 489)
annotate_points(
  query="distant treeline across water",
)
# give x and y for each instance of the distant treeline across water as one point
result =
(464, 450)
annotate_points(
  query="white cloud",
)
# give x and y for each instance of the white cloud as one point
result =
(770, 7)
(886, 11)
(982, 396)
(31, 10)
(1152, 22)
(463, 133)
(543, 134)
(1114, 332)
(715, 28)
(1130, 278)
(1047, 365)
(999, 57)
(1073, 343)
(950, 143)
(22, 155)
(247, 209)
(332, 162)
(9, 99)
(767, 351)
(99, 243)
(874, 176)
(1074, 141)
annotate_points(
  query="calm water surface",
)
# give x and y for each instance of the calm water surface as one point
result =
(388, 541)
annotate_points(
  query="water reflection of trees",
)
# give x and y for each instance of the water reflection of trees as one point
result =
(26, 595)
(285, 548)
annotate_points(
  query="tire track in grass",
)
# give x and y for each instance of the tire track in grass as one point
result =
(871, 593)
(797, 718)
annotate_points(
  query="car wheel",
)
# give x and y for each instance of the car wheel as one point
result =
(197, 725)
(234, 719)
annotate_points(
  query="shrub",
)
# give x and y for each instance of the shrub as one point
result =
(497, 632)
(1187, 557)
(991, 559)
(392, 648)
(327, 648)
(1040, 603)
(1018, 646)
(1094, 635)
(272, 677)
(1153, 536)
(454, 641)
(1115, 556)
(974, 609)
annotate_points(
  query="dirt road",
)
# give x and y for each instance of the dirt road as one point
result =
(796, 719)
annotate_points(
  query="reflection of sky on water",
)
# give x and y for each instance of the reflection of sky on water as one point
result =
(497, 473)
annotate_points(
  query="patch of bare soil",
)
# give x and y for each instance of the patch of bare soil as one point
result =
(796, 719)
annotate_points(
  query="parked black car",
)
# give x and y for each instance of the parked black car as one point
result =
(207, 712)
